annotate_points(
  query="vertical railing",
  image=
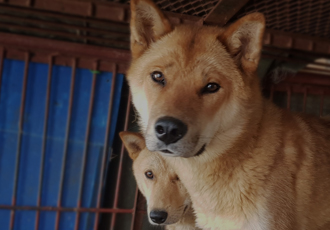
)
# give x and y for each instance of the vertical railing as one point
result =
(39, 208)
(2, 56)
(288, 104)
(120, 169)
(65, 149)
(19, 138)
(305, 99)
(83, 167)
(44, 140)
(106, 145)
(321, 104)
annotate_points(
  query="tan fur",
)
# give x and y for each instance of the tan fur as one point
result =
(263, 167)
(165, 191)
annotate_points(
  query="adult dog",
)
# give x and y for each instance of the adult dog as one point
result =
(167, 199)
(245, 163)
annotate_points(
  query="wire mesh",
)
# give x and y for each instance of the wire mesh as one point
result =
(195, 8)
(302, 16)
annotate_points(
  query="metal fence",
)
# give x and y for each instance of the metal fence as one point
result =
(58, 115)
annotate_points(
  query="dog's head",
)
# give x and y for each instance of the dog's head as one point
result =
(167, 199)
(190, 83)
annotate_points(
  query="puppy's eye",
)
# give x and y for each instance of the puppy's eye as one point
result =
(211, 88)
(158, 77)
(149, 175)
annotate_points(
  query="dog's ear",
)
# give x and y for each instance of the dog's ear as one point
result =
(148, 24)
(134, 143)
(243, 40)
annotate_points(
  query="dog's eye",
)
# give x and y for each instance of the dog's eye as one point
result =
(149, 175)
(211, 88)
(158, 77)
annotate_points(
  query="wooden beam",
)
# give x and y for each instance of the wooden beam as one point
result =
(224, 11)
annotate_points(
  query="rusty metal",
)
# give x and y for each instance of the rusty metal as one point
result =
(42, 48)
(69, 36)
(321, 104)
(302, 42)
(294, 60)
(42, 160)
(69, 27)
(120, 168)
(301, 16)
(66, 142)
(305, 99)
(308, 79)
(300, 88)
(272, 93)
(288, 103)
(134, 208)
(83, 167)
(19, 138)
(61, 16)
(140, 211)
(64, 209)
(195, 7)
(223, 11)
(106, 145)
(2, 55)
(59, 26)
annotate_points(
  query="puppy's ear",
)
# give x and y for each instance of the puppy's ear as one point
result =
(244, 39)
(134, 143)
(148, 24)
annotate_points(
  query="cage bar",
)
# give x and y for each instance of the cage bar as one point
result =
(288, 105)
(2, 55)
(19, 138)
(44, 142)
(305, 99)
(83, 167)
(115, 206)
(65, 149)
(79, 37)
(37, 22)
(272, 92)
(321, 104)
(64, 209)
(134, 208)
(105, 146)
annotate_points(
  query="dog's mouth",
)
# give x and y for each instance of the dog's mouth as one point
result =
(200, 151)
(197, 154)
(166, 151)
(185, 209)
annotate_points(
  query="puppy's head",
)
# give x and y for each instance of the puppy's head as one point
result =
(191, 83)
(167, 198)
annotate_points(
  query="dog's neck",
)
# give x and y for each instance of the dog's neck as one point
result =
(234, 142)
(187, 222)
(235, 165)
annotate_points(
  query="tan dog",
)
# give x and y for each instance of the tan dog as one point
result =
(167, 199)
(245, 163)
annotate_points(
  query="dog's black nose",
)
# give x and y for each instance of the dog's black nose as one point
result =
(158, 217)
(169, 129)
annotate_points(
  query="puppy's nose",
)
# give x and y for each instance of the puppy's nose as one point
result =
(169, 129)
(158, 217)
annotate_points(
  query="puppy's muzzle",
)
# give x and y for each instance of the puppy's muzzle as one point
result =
(169, 130)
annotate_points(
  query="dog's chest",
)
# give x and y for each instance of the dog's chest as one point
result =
(221, 198)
